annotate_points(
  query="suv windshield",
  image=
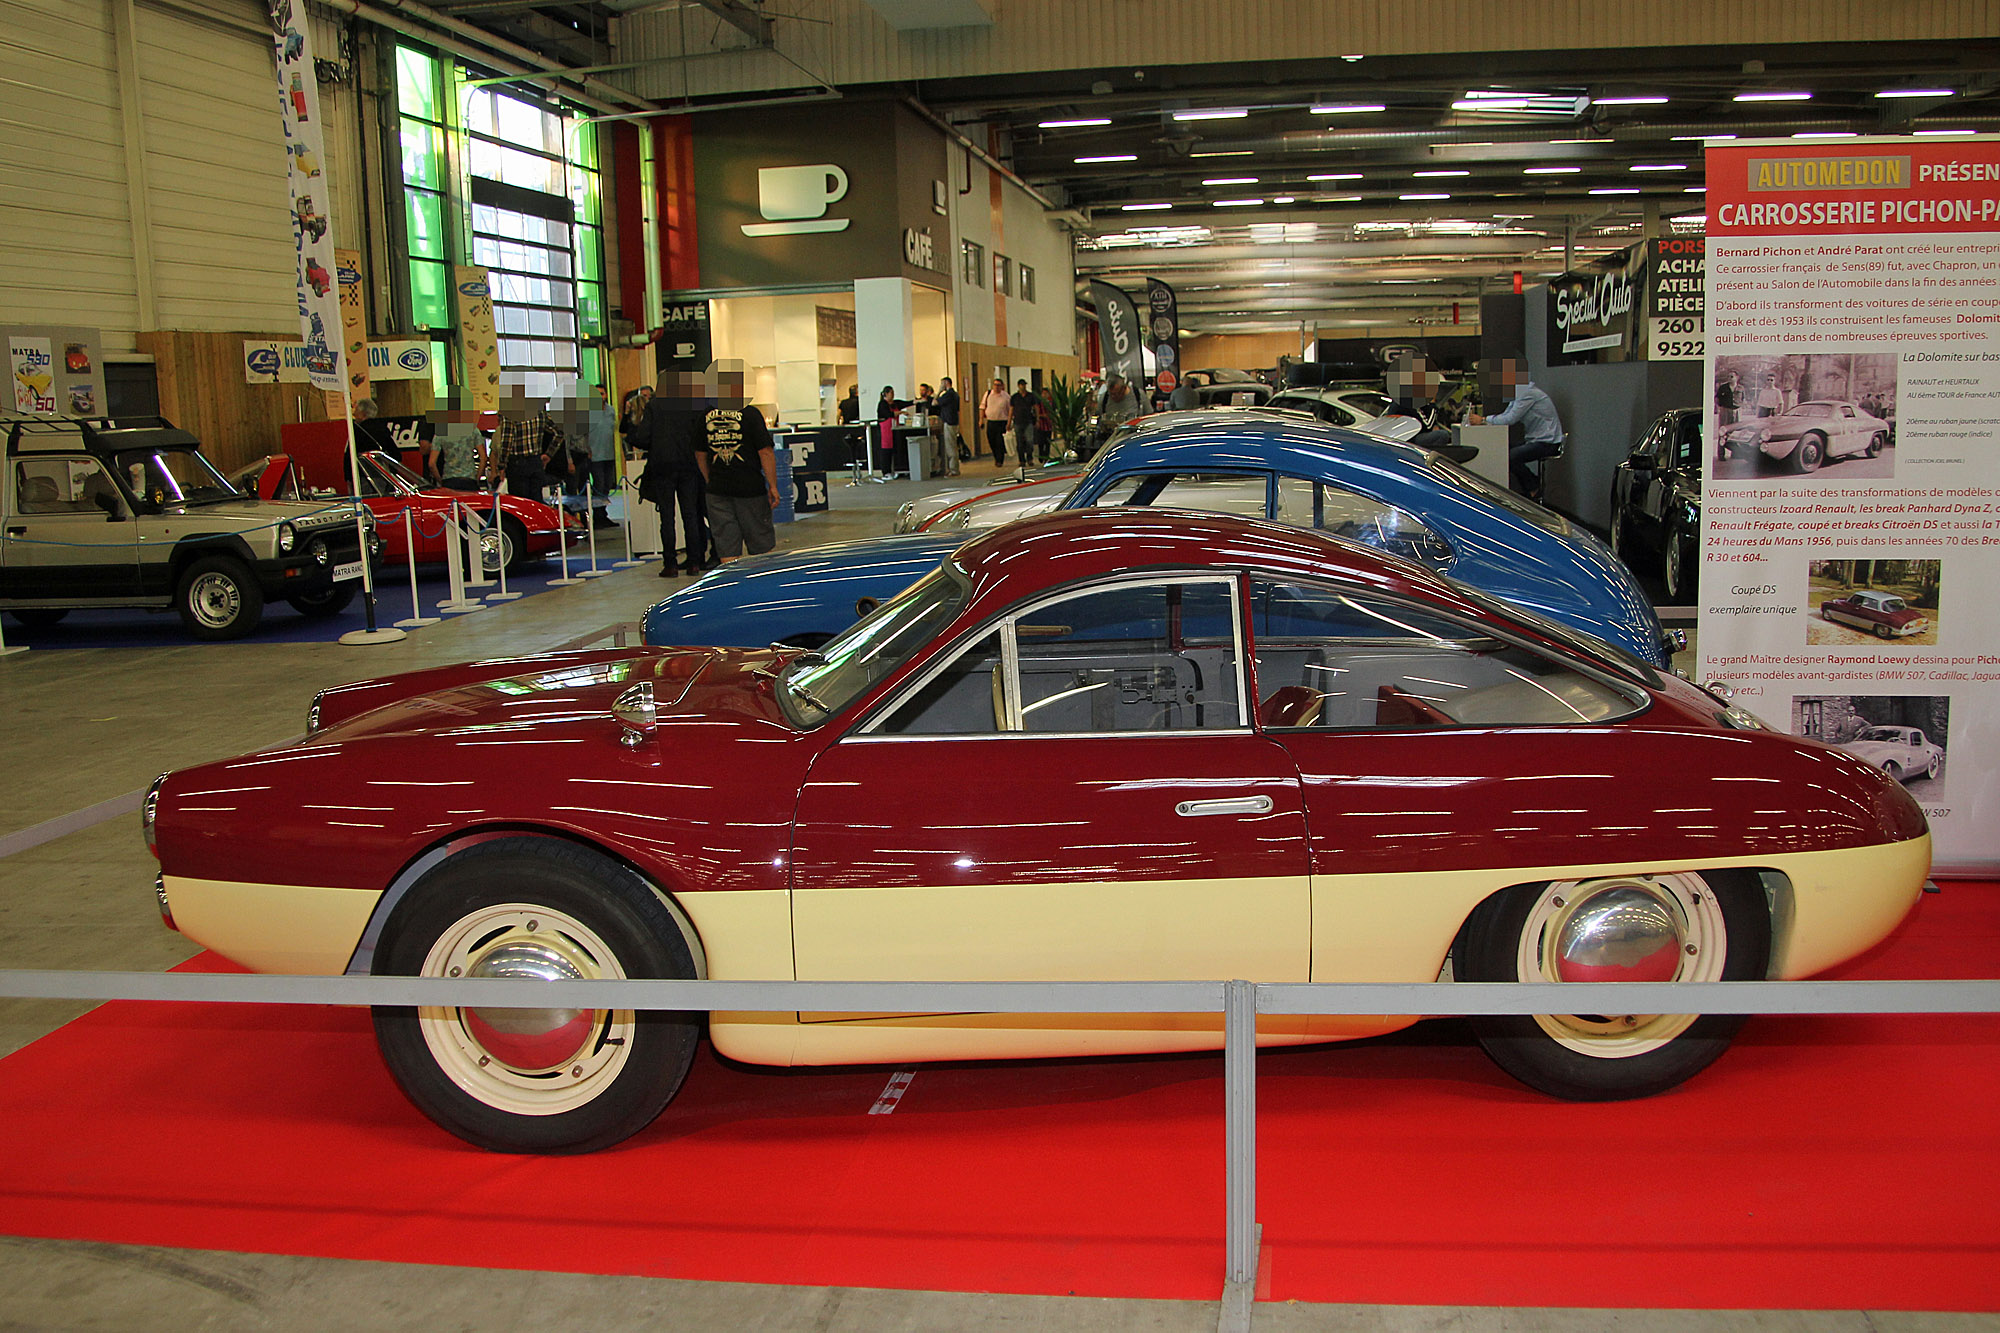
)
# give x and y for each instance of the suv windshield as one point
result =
(173, 476)
(814, 687)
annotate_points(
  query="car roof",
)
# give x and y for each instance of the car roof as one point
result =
(72, 434)
(1075, 544)
(1255, 438)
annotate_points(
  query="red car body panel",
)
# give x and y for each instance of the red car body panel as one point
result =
(428, 510)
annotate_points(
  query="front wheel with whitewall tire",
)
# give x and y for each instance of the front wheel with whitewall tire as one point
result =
(554, 1080)
(218, 598)
(1645, 927)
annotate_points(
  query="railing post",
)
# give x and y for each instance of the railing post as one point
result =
(1239, 1080)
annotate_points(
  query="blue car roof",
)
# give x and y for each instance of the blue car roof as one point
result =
(1250, 438)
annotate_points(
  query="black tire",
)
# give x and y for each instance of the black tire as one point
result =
(553, 909)
(1593, 1057)
(1935, 767)
(218, 598)
(1620, 534)
(332, 602)
(1677, 564)
(1876, 443)
(1810, 453)
(1881, 631)
(39, 617)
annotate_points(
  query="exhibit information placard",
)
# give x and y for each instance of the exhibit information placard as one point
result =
(1851, 510)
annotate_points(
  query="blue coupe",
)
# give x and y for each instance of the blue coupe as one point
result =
(1392, 496)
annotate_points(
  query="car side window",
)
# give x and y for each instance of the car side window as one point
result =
(65, 485)
(1303, 503)
(1331, 659)
(1209, 493)
(1127, 657)
(1337, 414)
(1687, 452)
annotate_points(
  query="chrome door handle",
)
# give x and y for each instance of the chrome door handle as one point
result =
(1228, 805)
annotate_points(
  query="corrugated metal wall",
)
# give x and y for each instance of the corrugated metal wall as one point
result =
(65, 237)
(213, 158)
(853, 45)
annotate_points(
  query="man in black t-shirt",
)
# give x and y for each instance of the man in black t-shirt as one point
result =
(737, 463)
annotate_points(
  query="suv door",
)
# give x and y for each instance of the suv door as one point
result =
(69, 532)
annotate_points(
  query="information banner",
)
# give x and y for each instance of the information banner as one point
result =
(1594, 312)
(1675, 309)
(477, 342)
(353, 320)
(1163, 334)
(312, 232)
(1118, 335)
(1851, 522)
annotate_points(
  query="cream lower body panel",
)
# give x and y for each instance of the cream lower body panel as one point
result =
(284, 928)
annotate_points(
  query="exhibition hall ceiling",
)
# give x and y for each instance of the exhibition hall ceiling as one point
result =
(1376, 191)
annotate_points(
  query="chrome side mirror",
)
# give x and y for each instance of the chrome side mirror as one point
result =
(637, 713)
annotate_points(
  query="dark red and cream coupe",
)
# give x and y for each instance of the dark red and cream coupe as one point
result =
(1102, 745)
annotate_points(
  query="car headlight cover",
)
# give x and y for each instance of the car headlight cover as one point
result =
(288, 537)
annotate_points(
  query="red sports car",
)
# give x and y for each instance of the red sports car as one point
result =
(529, 529)
(1202, 748)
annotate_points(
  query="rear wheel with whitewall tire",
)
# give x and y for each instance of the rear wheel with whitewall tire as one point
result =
(553, 1080)
(1652, 927)
(218, 598)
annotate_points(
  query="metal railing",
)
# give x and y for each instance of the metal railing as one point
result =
(1239, 1002)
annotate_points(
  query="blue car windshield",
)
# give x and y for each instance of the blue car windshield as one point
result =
(817, 685)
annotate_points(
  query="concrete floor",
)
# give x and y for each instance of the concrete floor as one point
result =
(86, 726)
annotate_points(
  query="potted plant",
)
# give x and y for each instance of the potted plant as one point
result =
(1069, 410)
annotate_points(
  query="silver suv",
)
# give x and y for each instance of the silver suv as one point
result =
(128, 513)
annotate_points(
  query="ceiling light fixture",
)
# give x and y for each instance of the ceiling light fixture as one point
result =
(1075, 124)
(1617, 189)
(1916, 92)
(1346, 108)
(1695, 189)
(1701, 138)
(1470, 103)
(1107, 157)
(1826, 134)
(1213, 113)
(1341, 176)
(1237, 203)
(1631, 101)
(1423, 196)
(1551, 171)
(1230, 180)
(1659, 166)
(1222, 152)
(1772, 97)
(1142, 208)
(1283, 199)
(1930, 133)
(1421, 174)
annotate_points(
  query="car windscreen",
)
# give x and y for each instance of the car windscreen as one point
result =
(395, 468)
(1374, 404)
(1472, 483)
(173, 476)
(1580, 641)
(817, 685)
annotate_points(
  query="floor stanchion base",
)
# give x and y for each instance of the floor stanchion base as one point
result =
(563, 583)
(360, 636)
(505, 596)
(460, 607)
(11, 649)
(418, 622)
(592, 573)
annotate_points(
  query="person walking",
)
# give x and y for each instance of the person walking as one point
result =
(953, 449)
(993, 409)
(1021, 410)
(740, 469)
(672, 479)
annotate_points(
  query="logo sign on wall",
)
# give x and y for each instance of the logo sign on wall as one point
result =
(1119, 333)
(1163, 334)
(795, 200)
(1594, 312)
(1676, 304)
(919, 249)
(1851, 506)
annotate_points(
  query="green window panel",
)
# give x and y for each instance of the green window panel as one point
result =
(590, 307)
(416, 84)
(424, 217)
(423, 155)
(430, 294)
(589, 254)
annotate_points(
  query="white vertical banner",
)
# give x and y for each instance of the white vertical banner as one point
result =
(312, 230)
(1851, 511)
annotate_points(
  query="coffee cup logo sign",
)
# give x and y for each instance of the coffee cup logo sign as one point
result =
(795, 200)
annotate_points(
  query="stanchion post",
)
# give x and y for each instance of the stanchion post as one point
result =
(1239, 1076)
(625, 522)
(454, 540)
(475, 549)
(416, 619)
(562, 551)
(500, 545)
(590, 530)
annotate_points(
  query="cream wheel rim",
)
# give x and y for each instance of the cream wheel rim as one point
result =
(533, 1061)
(1629, 928)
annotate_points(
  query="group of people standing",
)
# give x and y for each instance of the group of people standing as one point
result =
(709, 459)
(937, 411)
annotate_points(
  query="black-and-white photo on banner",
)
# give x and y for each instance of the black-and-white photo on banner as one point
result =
(1597, 313)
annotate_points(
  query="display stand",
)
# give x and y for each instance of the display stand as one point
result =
(416, 619)
(630, 496)
(454, 544)
(499, 537)
(562, 553)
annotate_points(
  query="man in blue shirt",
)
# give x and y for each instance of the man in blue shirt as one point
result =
(1542, 433)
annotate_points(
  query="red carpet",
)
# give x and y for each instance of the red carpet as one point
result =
(1848, 1163)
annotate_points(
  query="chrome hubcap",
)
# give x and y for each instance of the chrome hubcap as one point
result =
(531, 1040)
(215, 599)
(1636, 928)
